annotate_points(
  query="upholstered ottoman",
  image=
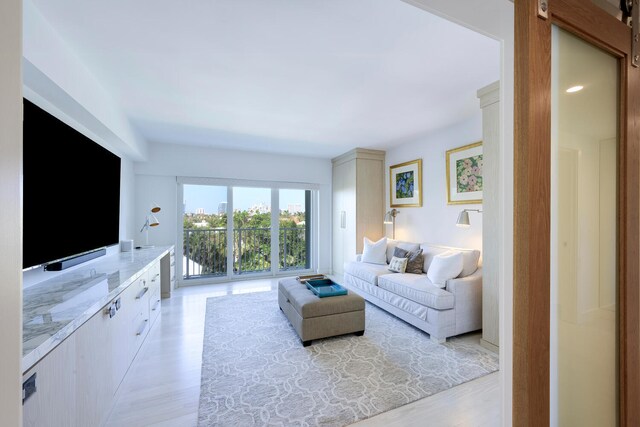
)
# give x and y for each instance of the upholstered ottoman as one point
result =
(314, 318)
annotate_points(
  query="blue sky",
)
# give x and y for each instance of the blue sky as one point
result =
(209, 197)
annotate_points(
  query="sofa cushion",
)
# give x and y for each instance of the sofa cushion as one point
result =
(444, 267)
(417, 288)
(365, 271)
(470, 257)
(374, 252)
(393, 244)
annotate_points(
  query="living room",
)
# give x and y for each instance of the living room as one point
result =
(160, 156)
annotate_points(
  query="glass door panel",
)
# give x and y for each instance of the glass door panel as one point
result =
(251, 230)
(205, 231)
(295, 226)
(584, 347)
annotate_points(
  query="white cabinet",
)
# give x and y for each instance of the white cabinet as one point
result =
(54, 402)
(358, 203)
(168, 277)
(76, 382)
(93, 370)
(154, 293)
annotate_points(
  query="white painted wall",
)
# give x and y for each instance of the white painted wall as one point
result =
(11, 212)
(54, 71)
(494, 18)
(435, 221)
(156, 182)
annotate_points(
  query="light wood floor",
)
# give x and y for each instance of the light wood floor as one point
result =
(162, 386)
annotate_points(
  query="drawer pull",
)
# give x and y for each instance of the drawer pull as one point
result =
(111, 311)
(142, 327)
(142, 292)
(155, 277)
(155, 306)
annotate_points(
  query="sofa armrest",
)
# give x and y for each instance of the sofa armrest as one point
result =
(358, 257)
(465, 284)
(467, 292)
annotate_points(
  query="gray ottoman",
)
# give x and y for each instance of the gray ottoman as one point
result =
(314, 318)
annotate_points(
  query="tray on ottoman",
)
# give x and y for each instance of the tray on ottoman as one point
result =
(326, 288)
(314, 318)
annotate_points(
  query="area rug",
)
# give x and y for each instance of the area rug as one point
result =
(255, 371)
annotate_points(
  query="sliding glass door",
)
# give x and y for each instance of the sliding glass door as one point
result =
(232, 231)
(295, 227)
(204, 222)
(251, 230)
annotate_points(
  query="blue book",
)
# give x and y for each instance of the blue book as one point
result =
(326, 288)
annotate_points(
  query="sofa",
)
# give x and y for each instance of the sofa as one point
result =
(443, 312)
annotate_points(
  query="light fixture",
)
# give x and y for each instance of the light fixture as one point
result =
(390, 218)
(463, 218)
(150, 221)
(574, 89)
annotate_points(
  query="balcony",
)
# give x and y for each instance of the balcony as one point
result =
(205, 251)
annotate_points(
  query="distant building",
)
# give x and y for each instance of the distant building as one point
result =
(200, 211)
(294, 208)
(222, 208)
(260, 208)
(201, 224)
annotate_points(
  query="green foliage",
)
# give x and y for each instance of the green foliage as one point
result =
(207, 245)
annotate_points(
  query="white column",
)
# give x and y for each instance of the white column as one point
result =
(490, 103)
(11, 212)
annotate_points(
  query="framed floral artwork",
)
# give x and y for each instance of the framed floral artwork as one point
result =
(464, 174)
(405, 184)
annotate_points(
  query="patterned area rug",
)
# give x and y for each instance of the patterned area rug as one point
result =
(255, 371)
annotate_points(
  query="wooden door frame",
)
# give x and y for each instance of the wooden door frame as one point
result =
(532, 204)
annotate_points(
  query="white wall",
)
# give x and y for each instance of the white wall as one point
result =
(11, 212)
(495, 18)
(57, 80)
(156, 182)
(435, 221)
(127, 199)
(54, 71)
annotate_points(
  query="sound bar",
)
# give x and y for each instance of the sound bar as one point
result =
(70, 262)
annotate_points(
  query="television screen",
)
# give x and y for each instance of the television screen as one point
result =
(71, 191)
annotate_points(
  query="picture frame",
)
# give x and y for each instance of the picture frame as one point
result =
(464, 174)
(405, 184)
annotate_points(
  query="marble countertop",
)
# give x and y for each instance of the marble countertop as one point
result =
(55, 308)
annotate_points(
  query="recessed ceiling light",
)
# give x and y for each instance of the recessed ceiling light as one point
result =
(573, 89)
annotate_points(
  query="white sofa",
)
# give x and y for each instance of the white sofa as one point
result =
(441, 313)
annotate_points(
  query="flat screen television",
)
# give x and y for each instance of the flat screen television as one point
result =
(71, 191)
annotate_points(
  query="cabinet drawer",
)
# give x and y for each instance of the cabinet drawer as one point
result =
(139, 330)
(154, 274)
(155, 307)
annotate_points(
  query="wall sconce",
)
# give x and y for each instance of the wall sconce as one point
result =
(463, 218)
(390, 218)
(151, 221)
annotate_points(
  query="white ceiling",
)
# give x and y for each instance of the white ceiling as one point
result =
(297, 76)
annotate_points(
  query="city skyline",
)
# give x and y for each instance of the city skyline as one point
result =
(210, 198)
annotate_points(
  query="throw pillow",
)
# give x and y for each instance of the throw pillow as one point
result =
(375, 252)
(393, 244)
(414, 262)
(398, 265)
(400, 253)
(444, 267)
